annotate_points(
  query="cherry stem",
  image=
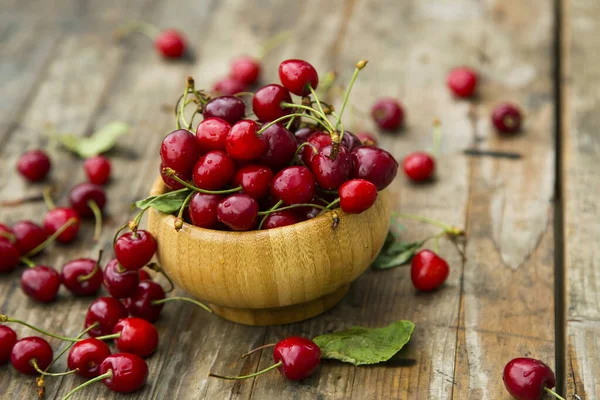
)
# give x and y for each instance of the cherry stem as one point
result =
(292, 206)
(35, 365)
(320, 108)
(117, 233)
(315, 151)
(156, 268)
(8, 236)
(97, 217)
(47, 193)
(6, 318)
(450, 230)
(109, 337)
(162, 301)
(341, 125)
(137, 26)
(437, 136)
(181, 114)
(274, 366)
(283, 104)
(267, 126)
(359, 66)
(107, 375)
(27, 262)
(71, 344)
(172, 174)
(179, 220)
(332, 204)
(290, 122)
(275, 207)
(242, 94)
(51, 239)
(83, 278)
(18, 202)
(264, 346)
(553, 393)
(273, 42)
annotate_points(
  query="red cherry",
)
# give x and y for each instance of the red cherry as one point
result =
(73, 272)
(374, 165)
(507, 118)
(8, 338)
(229, 108)
(6, 229)
(331, 173)
(211, 134)
(267, 100)
(357, 195)
(82, 194)
(41, 283)
(428, 271)
(129, 372)
(462, 81)
(28, 235)
(281, 218)
(213, 170)
(297, 75)
(238, 211)
(367, 138)
(137, 336)
(170, 43)
(34, 165)
(419, 166)
(141, 303)
(97, 169)
(57, 218)
(144, 276)
(388, 114)
(245, 69)
(203, 209)
(135, 249)
(282, 147)
(9, 255)
(319, 140)
(106, 311)
(303, 134)
(299, 356)
(86, 356)
(527, 378)
(350, 141)
(28, 349)
(172, 183)
(228, 87)
(293, 185)
(255, 180)
(120, 284)
(243, 142)
(180, 150)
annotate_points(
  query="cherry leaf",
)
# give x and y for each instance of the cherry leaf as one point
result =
(99, 142)
(361, 346)
(168, 203)
(395, 254)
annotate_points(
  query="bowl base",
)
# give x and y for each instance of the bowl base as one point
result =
(281, 315)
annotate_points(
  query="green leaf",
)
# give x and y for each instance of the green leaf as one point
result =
(396, 254)
(168, 203)
(360, 346)
(101, 141)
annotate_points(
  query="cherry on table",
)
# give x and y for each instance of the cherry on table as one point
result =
(29, 235)
(82, 276)
(282, 147)
(213, 170)
(211, 134)
(136, 336)
(238, 211)
(141, 303)
(266, 103)
(86, 356)
(462, 81)
(281, 218)
(106, 311)
(9, 255)
(8, 338)
(419, 166)
(331, 172)
(507, 118)
(297, 75)
(428, 271)
(228, 86)
(528, 379)
(85, 193)
(40, 283)
(229, 108)
(57, 218)
(374, 165)
(319, 141)
(293, 185)
(203, 209)
(179, 151)
(170, 43)
(97, 169)
(245, 69)
(29, 350)
(367, 138)
(357, 195)
(388, 114)
(254, 179)
(120, 284)
(134, 250)
(243, 142)
(34, 165)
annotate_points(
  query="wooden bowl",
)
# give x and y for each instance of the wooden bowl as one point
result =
(274, 276)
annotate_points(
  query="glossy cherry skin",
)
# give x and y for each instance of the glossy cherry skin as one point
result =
(297, 75)
(135, 249)
(172, 183)
(28, 349)
(211, 134)
(41, 283)
(282, 147)
(293, 185)
(87, 355)
(300, 357)
(419, 166)
(267, 100)
(374, 165)
(57, 217)
(138, 336)
(367, 138)
(428, 271)
(462, 81)
(245, 69)
(243, 142)
(357, 195)
(303, 134)
(350, 141)
(228, 87)
(281, 218)
(526, 378)
(229, 108)
(507, 118)
(180, 150)
(144, 276)
(8, 338)
(319, 141)
(238, 211)
(34, 165)
(97, 169)
(140, 304)
(331, 173)
(29, 236)
(213, 170)
(82, 194)
(9, 255)
(73, 271)
(203, 209)
(119, 284)
(388, 114)
(254, 179)
(106, 311)
(130, 372)
(170, 43)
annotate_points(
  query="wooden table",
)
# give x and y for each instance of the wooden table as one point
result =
(531, 280)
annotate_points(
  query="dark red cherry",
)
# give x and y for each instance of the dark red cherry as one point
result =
(213, 170)
(29, 236)
(297, 75)
(82, 194)
(28, 349)
(229, 86)
(293, 185)
(462, 81)
(330, 172)
(418, 166)
(211, 134)
(137, 336)
(319, 140)
(350, 141)
(129, 372)
(82, 276)
(507, 118)
(388, 114)
(120, 284)
(267, 100)
(245, 69)
(140, 304)
(281, 218)
(86, 356)
(527, 378)
(255, 180)
(203, 209)
(367, 138)
(428, 271)
(374, 165)
(8, 338)
(282, 147)
(180, 150)
(306, 213)
(135, 249)
(106, 311)
(172, 183)
(357, 195)
(41, 283)
(9, 255)
(243, 142)
(97, 169)
(57, 218)
(34, 165)
(303, 134)
(229, 108)
(144, 275)
(238, 211)
(299, 356)
(170, 43)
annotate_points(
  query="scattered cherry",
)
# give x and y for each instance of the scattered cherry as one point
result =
(141, 303)
(228, 86)
(255, 180)
(120, 284)
(84, 193)
(238, 211)
(462, 81)
(8, 338)
(29, 350)
(297, 75)
(82, 276)
(135, 249)
(267, 100)
(203, 209)
(507, 118)
(428, 271)
(57, 218)
(97, 169)
(86, 356)
(9, 255)
(357, 195)
(179, 150)
(388, 114)
(281, 218)
(282, 147)
(243, 142)
(213, 170)
(34, 165)
(374, 165)
(419, 166)
(105, 311)
(41, 283)
(28, 235)
(211, 134)
(170, 43)
(293, 185)
(245, 69)
(136, 336)
(528, 379)
(330, 172)
(229, 108)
